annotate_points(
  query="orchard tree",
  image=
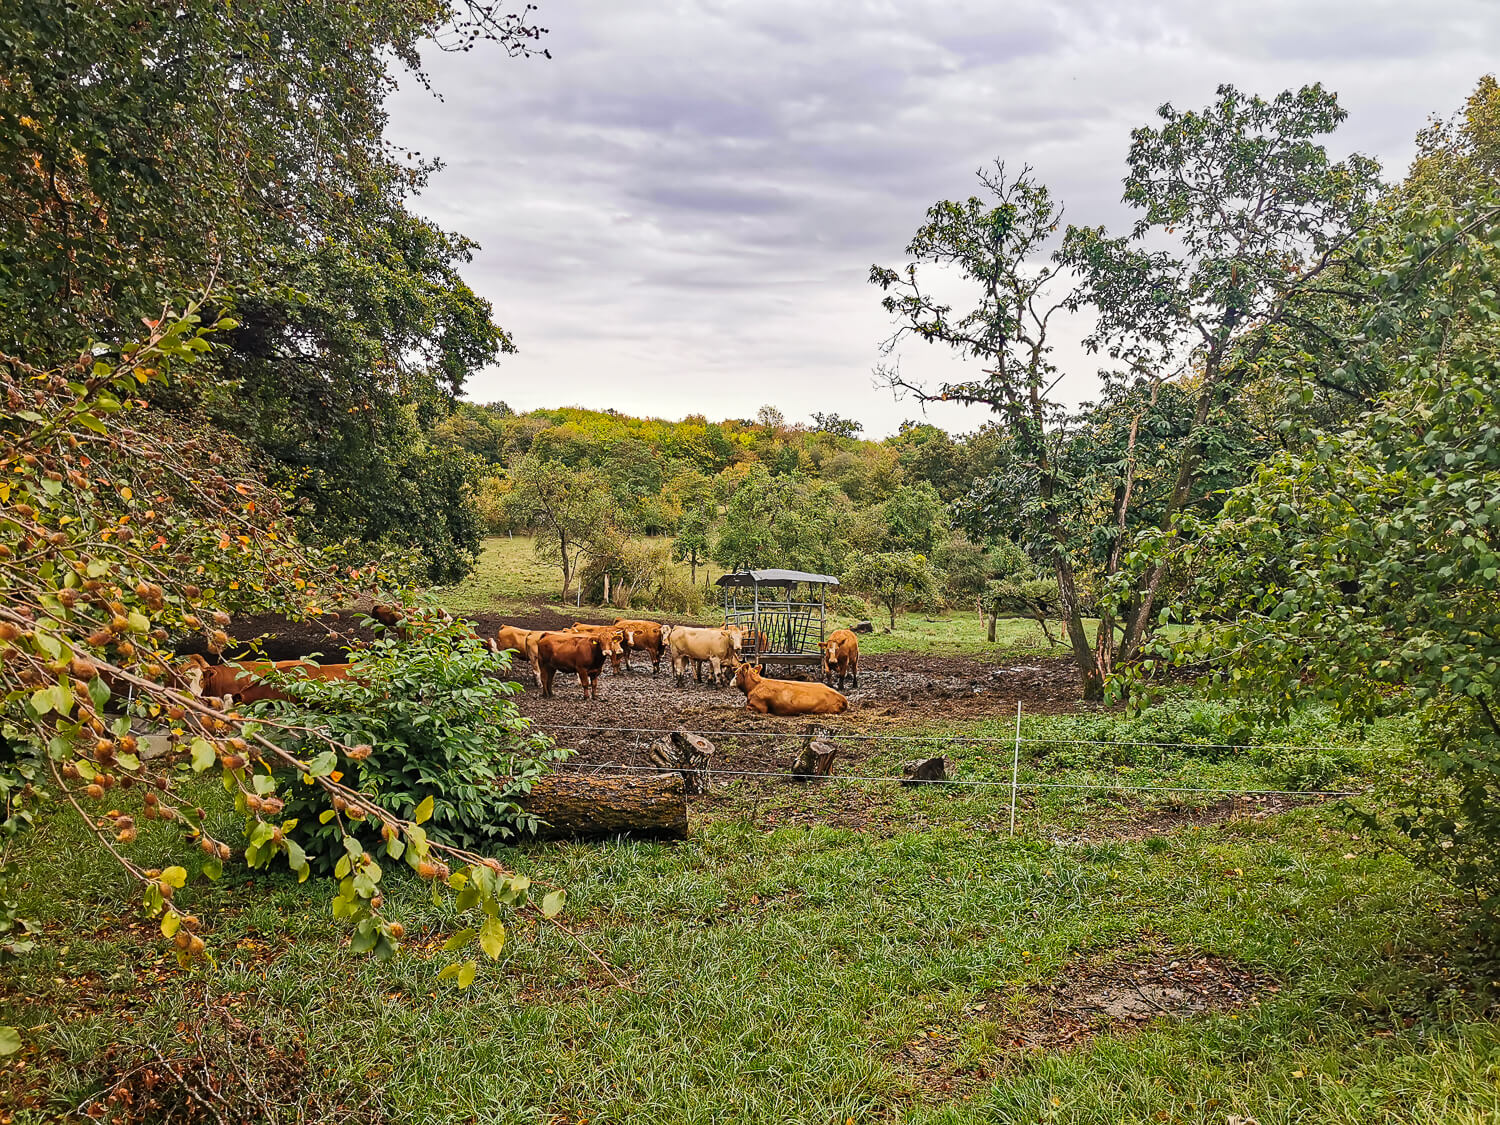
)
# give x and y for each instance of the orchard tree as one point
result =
(1243, 217)
(896, 579)
(124, 529)
(568, 509)
(1364, 569)
(691, 543)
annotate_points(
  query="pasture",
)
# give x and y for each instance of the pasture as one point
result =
(846, 951)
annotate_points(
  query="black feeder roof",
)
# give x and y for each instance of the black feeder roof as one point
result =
(774, 578)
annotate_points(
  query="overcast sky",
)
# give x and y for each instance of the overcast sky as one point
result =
(678, 211)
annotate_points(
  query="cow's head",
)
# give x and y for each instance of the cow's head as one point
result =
(613, 642)
(746, 676)
(736, 636)
(190, 673)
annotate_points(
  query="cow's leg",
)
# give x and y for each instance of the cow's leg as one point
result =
(717, 669)
(546, 672)
(656, 663)
(854, 672)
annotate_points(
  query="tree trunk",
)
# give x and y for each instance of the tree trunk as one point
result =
(1089, 672)
(693, 568)
(582, 806)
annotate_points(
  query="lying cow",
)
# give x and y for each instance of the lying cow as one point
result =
(841, 657)
(786, 697)
(570, 652)
(720, 648)
(243, 682)
(642, 636)
(610, 636)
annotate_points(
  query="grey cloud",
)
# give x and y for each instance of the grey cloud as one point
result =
(677, 213)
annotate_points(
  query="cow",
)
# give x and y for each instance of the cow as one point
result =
(523, 642)
(570, 652)
(643, 636)
(786, 697)
(610, 636)
(841, 657)
(242, 682)
(719, 647)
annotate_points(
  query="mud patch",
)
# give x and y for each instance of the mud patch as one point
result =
(1094, 995)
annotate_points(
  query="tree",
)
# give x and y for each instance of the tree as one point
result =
(1364, 569)
(691, 543)
(123, 528)
(779, 521)
(915, 519)
(147, 149)
(895, 579)
(1245, 217)
(567, 508)
(835, 426)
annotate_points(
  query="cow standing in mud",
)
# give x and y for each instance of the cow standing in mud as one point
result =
(570, 652)
(720, 648)
(841, 657)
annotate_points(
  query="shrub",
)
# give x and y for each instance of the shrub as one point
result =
(439, 723)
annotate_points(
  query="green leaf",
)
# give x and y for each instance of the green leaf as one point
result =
(458, 940)
(466, 973)
(202, 755)
(170, 921)
(10, 1041)
(326, 815)
(175, 877)
(492, 937)
(552, 904)
(213, 870)
(423, 812)
(324, 764)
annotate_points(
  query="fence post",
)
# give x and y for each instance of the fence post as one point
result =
(1015, 765)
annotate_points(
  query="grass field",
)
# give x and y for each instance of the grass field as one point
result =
(813, 974)
(509, 579)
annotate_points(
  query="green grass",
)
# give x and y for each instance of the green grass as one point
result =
(776, 972)
(954, 632)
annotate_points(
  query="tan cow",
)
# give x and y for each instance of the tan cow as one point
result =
(720, 648)
(841, 657)
(522, 642)
(610, 636)
(786, 697)
(642, 636)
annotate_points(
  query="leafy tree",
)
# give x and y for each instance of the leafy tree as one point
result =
(1364, 569)
(146, 149)
(567, 508)
(122, 528)
(1243, 216)
(777, 521)
(837, 427)
(896, 579)
(691, 543)
(915, 519)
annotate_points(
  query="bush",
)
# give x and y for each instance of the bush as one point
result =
(440, 725)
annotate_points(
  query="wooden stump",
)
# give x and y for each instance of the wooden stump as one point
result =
(583, 806)
(924, 770)
(685, 753)
(816, 760)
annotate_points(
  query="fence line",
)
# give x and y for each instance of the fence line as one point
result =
(606, 768)
(968, 738)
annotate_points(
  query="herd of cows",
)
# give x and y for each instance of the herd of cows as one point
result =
(582, 650)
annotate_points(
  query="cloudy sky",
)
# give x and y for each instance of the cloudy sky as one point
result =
(679, 210)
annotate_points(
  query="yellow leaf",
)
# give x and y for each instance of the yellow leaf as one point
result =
(126, 494)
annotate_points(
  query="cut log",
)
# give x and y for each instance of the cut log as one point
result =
(924, 770)
(816, 760)
(584, 806)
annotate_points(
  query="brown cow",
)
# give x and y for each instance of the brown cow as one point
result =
(570, 652)
(642, 636)
(719, 647)
(841, 657)
(786, 697)
(610, 636)
(242, 682)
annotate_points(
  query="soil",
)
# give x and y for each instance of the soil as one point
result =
(1114, 992)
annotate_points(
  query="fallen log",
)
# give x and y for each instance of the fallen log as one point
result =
(590, 806)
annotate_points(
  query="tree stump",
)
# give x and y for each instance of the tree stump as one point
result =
(922, 771)
(583, 806)
(862, 627)
(685, 753)
(816, 760)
